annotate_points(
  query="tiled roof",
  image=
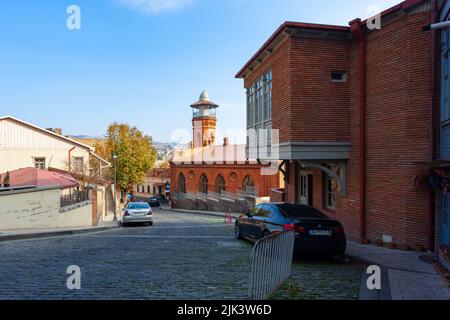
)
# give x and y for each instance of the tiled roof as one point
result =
(40, 178)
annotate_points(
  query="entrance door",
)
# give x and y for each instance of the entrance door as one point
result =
(445, 220)
(305, 188)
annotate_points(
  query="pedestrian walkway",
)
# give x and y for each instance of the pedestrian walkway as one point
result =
(411, 275)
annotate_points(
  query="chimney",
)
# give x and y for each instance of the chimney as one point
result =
(56, 130)
(226, 142)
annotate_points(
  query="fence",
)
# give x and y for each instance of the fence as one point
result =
(77, 197)
(271, 264)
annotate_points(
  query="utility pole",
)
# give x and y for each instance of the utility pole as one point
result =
(115, 186)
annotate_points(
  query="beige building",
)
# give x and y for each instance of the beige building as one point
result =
(157, 182)
(25, 145)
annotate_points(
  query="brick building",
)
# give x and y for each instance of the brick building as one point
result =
(209, 168)
(353, 108)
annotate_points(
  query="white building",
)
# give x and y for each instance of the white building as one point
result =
(25, 145)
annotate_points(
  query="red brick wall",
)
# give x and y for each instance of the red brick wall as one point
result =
(308, 107)
(262, 182)
(319, 108)
(398, 122)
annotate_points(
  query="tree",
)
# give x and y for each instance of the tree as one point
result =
(135, 154)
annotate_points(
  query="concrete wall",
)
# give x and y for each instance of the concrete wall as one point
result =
(39, 209)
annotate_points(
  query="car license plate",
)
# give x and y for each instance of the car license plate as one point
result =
(320, 233)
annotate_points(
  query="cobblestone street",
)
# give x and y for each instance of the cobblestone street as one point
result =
(183, 256)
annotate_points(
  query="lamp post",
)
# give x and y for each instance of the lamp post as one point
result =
(115, 186)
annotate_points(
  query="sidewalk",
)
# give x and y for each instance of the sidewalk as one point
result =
(24, 234)
(409, 277)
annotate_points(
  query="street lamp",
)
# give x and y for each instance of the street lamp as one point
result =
(115, 186)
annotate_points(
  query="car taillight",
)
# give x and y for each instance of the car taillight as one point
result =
(300, 229)
(297, 229)
(127, 214)
(339, 230)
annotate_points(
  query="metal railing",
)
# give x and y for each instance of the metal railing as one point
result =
(77, 197)
(228, 195)
(251, 191)
(271, 261)
(214, 195)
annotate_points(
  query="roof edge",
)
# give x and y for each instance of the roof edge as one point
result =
(49, 132)
(291, 24)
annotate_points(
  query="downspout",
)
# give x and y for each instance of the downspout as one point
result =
(432, 218)
(362, 136)
(70, 158)
(358, 34)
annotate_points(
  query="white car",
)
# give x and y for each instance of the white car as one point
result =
(137, 212)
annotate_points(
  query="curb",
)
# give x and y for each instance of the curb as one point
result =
(52, 234)
(204, 213)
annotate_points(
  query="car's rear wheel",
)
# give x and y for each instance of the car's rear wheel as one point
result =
(237, 232)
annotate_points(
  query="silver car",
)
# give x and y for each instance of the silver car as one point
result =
(137, 212)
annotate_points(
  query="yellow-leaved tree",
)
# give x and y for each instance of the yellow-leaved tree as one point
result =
(135, 154)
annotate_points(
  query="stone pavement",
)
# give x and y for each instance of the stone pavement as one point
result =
(411, 276)
(183, 256)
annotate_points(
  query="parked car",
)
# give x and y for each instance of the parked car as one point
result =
(314, 231)
(154, 202)
(137, 212)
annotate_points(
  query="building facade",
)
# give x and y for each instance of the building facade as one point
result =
(209, 168)
(24, 145)
(353, 108)
(443, 220)
(157, 183)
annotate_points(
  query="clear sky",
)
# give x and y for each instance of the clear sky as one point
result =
(141, 61)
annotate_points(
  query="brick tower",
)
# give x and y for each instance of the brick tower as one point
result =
(204, 121)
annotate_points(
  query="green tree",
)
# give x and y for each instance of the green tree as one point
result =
(135, 154)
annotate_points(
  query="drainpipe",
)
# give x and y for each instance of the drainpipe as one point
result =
(70, 158)
(359, 35)
(432, 218)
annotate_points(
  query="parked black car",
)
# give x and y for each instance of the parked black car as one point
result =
(314, 231)
(154, 202)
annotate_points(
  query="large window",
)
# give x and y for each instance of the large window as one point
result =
(78, 164)
(203, 187)
(181, 183)
(248, 182)
(39, 163)
(259, 104)
(220, 184)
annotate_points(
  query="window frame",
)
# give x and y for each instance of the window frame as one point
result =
(181, 183)
(330, 196)
(342, 72)
(37, 159)
(221, 184)
(203, 184)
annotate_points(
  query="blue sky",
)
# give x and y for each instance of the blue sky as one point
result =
(141, 61)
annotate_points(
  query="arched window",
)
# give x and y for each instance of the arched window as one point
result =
(220, 184)
(203, 186)
(248, 182)
(181, 183)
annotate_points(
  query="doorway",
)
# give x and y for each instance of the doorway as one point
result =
(305, 188)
